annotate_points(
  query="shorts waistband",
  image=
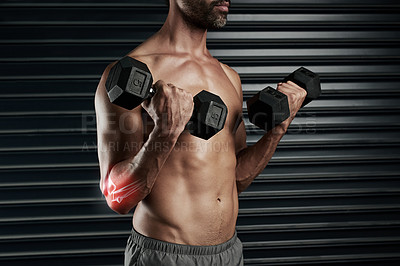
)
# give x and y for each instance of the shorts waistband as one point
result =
(159, 245)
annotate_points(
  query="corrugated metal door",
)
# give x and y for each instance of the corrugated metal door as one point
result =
(331, 193)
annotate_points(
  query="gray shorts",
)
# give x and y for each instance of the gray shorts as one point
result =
(145, 251)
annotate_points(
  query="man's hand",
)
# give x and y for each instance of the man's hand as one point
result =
(296, 96)
(170, 108)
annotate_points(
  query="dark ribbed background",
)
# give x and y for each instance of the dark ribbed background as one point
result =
(329, 195)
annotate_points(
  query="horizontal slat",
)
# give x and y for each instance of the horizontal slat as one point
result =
(51, 141)
(59, 254)
(78, 121)
(46, 175)
(312, 121)
(65, 105)
(348, 69)
(314, 210)
(312, 36)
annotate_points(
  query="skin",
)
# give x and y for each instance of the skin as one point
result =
(185, 189)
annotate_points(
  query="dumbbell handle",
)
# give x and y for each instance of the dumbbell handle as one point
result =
(152, 91)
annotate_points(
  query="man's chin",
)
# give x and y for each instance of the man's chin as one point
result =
(218, 24)
(219, 21)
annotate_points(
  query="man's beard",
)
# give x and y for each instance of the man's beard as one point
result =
(201, 15)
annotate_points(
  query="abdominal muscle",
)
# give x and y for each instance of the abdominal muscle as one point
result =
(194, 200)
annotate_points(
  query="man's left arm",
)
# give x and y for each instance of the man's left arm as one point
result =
(250, 161)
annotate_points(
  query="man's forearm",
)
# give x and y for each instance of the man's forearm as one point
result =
(252, 160)
(131, 180)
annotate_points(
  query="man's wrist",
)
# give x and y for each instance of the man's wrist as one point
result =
(164, 135)
(279, 130)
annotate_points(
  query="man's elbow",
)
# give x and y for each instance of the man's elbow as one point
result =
(239, 189)
(120, 208)
(123, 199)
(112, 203)
(123, 204)
(241, 186)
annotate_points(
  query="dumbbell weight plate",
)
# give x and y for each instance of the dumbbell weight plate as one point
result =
(128, 83)
(209, 115)
(308, 80)
(268, 108)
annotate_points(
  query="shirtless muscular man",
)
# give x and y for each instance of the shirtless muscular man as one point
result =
(185, 189)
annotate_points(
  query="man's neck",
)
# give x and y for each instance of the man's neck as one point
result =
(180, 37)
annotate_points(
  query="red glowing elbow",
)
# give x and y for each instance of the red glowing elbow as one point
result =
(119, 197)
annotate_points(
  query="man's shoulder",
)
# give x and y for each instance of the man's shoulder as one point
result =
(147, 52)
(232, 75)
(142, 55)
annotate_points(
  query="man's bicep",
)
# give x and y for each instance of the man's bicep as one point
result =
(119, 131)
(240, 129)
(120, 136)
(240, 137)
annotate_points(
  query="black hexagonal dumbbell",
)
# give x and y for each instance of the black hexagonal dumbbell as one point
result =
(129, 84)
(308, 80)
(270, 107)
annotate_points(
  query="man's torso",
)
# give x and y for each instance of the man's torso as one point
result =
(194, 199)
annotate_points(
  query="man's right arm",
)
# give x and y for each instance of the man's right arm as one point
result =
(129, 164)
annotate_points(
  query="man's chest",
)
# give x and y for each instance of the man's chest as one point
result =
(194, 77)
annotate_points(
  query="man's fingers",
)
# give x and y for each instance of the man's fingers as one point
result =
(145, 103)
(294, 84)
(289, 84)
(159, 84)
(293, 87)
